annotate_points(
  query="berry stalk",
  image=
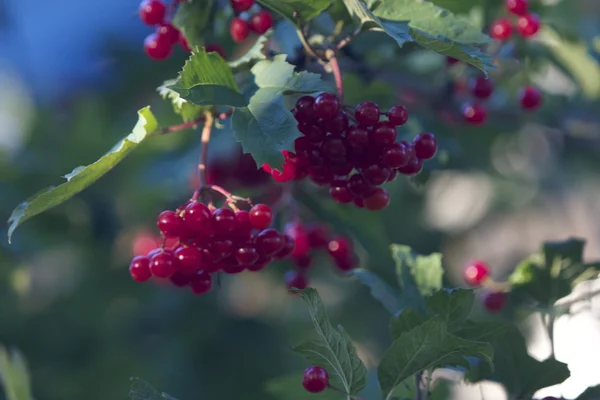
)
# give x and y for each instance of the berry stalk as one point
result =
(206, 131)
(337, 74)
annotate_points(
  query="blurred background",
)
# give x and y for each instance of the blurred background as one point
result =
(72, 76)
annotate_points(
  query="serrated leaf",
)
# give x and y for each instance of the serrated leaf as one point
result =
(405, 321)
(458, 6)
(380, 290)
(483, 331)
(427, 271)
(83, 176)
(410, 295)
(193, 20)
(591, 393)
(333, 350)
(255, 53)
(14, 375)
(297, 11)
(279, 74)
(187, 110)
(207, 80)
(364, 18)
(427, 346)
(289, 387)
(142, 390)
(454, 306)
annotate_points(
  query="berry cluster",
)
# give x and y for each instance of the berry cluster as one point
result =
(353, 156)
(242, 25)
(309, 239)
(211, 240)
(315, 379)
(527, 24)
(477, 273)
(159, 45)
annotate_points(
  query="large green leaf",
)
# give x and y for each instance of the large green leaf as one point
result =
(207, 80)
(83, 176)
(427, 346)
(188, 110)
(379, 289)
(297, 11)
(453, 305)
(364, 18)
(279, 74)
(333, 350)
(427, 271)
(193, 20)
(14, 375)
(142, 390)
(289, 387)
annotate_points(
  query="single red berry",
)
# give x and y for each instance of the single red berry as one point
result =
(223, 220)
(197, 217)
(313, 133)
(320, 175)
(288, 247)
(333, 148)
(398, 115)
(243, 227)
(304, 111)
(269, 242)
(375, 175)
(425, 145)
(339, 191)
(261, 216)
(261, 22)
(358, 187)
(501, 29)
(297, 231)
(184, 43)
(326, 106)
(345, 264)
(168, 33)
(475, 272)
(378, 200)
(395, 156)
(156, 48)
(530, 97)
(222, 248)
(239, 6)
(367, 113)
(528, 25)
(393, 175)
(481, 87)
(338, 124)
(259, 265)
(414, 167)
(231, 266)
(357, 137)
(315, 379)
(179, 279)
(152, 12)
(140, 269)
(517, 7)
(383, 134)
(340, 248)
(201, 283)
(494, 302)
(162, 265)
(295, 279)
(170, 224)
(189, 260)
(318, 236)
(474, 113)
(246, 255)
(239, 29)
(216, 48)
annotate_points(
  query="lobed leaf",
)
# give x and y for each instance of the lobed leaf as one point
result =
(452, 305)
(297, 11)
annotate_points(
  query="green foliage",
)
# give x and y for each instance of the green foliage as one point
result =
(83, 176)
(592, 393)
(423, 273)
(297, 11)
(333, 349)
(193, 19)
(14, 375)
(187, 110)
(207, 80)
(142, 390)
(289, 387)
(458, 6)
(255, 53)
(380, 290)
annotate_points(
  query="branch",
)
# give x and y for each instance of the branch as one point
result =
(187, 125)
(206, 131)
(337, 73)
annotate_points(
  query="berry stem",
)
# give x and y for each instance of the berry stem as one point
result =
(337, 74)
(307, 47)
(188, 125)
(206, 131)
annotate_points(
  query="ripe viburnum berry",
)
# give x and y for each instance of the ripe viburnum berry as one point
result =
(261, 22)
(528, 25)
(239, 6)
(398, 115)
(494, 302)
(260, 216)
(140, 269)
(315, 379)
(168, 33)
(481, 87)
(425, 145)
(517, 7)
(501, 29)
(367, 113)
(530, 97)
(239, 29)
(152, 12)
(295, 279)
(474, 113)
(475, 272)
(156, 48)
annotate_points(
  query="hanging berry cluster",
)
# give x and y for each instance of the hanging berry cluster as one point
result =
(159, 45)
(527, 23)
(212, 240)
(309, 239)
(353, 156)
(242, 25)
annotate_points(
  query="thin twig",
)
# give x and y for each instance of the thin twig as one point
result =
(206, 131)
(337, 73)
(187, 125)
(307, 47)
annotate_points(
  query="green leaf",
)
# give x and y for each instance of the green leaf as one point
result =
(364, 18)
(14, 375)
(188, 111)
(297, 11)
(279, 74)
(193, 20)
(484, 331)
(142, 390)
(207, 80)
(407, 320)
(452, 305)
(427, 271)
(427, 346)
(458, 6)
(379, 289)
(83, 176)
(289, 387)
(255, 53)
(333, 350)
(411, 296)
(591, 393)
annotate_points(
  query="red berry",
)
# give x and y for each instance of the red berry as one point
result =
(180, 280)
(451, 60)
(357, 137)
(425, 145)
(474, 114)
(340, 248)
(345, 264)
(501, 29)
(162, 265)
(476, 272)
(295, 279)
(197, 217)
(320, 175)
(170, 224)
(414, 167)
(223, 220)
(239, 29)
(201, 283)
(152, 12)
(239, 6)
(326, 106)
(222, 248)
(304, 111)
(367, 113)
(297, 231)
(333, 148)
(528, 25)
(383, 134)
(288, 247)
(315, 379)
(156, 48)
(269, 242)
(481, 87)
(243, 227)
(140, 269)
(338, 124)
(395, 156)
(378, 200)
(517, 7)
(398, 115)
(261, 22)
(358, 187)
(168, 33)
(313, 133)
(260, 216)
(375, 175)
(494, 302)
(339, 191)
(216, 48)
(318, 236)
(530, 97)
(246, 255)
(189, 260)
